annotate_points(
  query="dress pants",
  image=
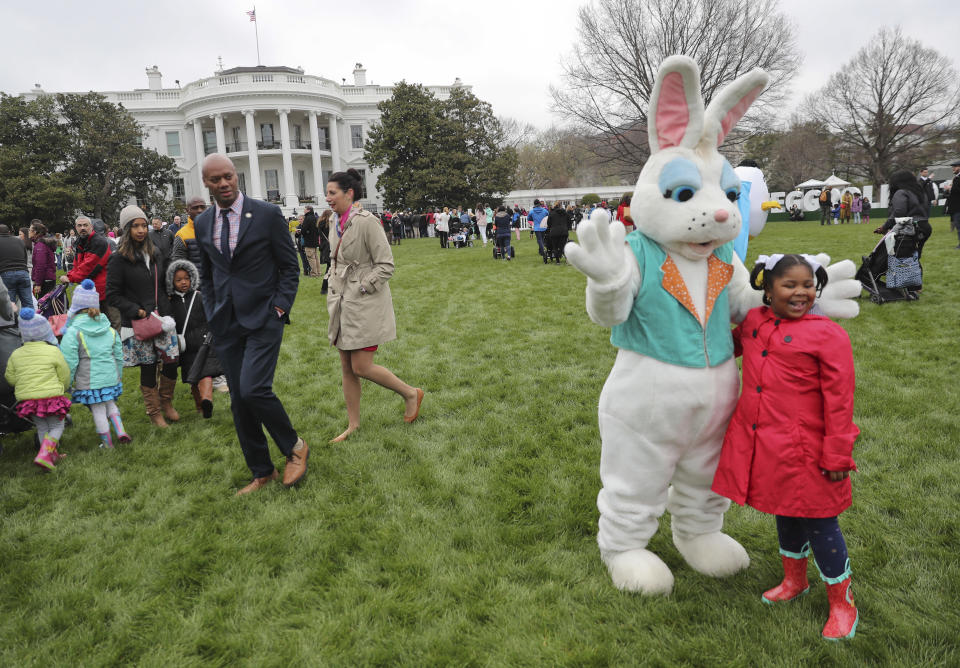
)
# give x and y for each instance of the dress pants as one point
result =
(249, 360)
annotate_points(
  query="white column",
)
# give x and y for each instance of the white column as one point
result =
(334, 143)
(315, 155)
(198, 140)
(218, 124)
(289, 195)
(255, 190)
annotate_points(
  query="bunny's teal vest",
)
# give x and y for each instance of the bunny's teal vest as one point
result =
(661, 327)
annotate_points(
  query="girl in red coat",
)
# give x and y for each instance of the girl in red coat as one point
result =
(787, 450)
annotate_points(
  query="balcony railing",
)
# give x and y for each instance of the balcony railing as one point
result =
(268, 145)
(300, 144)
(236, 147)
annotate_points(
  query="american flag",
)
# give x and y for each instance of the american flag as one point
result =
(252, 14)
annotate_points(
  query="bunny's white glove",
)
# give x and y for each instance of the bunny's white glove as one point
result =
(838, 299)
(613, 278)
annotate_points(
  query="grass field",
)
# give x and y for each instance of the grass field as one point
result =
(469, 537)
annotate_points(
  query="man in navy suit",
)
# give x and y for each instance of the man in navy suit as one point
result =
(248, 278)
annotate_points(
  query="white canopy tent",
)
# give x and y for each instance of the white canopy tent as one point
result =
(812, 183)
(834, 181)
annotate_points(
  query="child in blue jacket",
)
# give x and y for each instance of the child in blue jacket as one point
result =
(94, 354)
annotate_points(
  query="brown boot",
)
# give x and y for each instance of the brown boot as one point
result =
(167, 386)
(195, 392)
(205, 388)
(151, 399)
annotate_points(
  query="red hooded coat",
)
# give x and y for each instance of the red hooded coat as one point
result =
(794, 418)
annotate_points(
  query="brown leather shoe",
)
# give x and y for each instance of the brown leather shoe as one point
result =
(296, 466)
(258, 483)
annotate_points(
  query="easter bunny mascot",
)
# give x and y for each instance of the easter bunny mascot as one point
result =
(670, 291)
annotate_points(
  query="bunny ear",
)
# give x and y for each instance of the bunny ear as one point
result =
(675, 117)
(731, 103)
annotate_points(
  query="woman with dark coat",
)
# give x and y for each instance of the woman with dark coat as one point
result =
(558, 226)
(135, 287)
(44, 271)
(908, 199)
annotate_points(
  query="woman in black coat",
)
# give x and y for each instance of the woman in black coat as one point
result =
(558, 223)
(135, 287)
(908, 200)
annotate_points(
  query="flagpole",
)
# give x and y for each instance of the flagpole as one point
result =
(256, 32)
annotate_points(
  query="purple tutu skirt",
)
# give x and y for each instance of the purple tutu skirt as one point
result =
(49, 407)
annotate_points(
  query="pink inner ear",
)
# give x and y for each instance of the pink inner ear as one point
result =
(673, 114)
(737, 112)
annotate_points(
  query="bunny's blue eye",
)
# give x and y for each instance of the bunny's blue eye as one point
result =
(681, 194)
(679, 180)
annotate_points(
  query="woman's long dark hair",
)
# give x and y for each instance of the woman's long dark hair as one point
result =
(904, 180)
(129, 248)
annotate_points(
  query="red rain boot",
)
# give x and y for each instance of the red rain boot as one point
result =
(794, 583)
(843, 619)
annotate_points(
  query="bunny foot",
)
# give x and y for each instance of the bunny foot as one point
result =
(639, 571)
(715, 554)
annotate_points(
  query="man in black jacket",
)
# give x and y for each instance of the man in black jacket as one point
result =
(927, 184)
(311, 240)
(162, 239)
(953, 200)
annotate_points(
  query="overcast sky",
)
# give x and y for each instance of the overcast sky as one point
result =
(508, 50)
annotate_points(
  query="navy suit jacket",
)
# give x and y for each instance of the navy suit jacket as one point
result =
(262, 273)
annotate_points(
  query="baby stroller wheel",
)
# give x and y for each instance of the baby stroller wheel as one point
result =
(876, 299)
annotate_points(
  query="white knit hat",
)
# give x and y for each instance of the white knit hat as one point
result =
(84, 296)
(33, 326)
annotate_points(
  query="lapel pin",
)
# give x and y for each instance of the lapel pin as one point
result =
(249, 215)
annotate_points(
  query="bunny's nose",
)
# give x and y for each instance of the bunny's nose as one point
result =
(721, 215)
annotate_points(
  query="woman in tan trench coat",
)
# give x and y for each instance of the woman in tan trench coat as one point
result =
(359, 301)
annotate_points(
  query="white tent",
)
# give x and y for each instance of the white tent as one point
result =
(834, 181)
(812, 183)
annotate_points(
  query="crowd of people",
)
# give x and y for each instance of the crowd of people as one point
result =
(133, 305)
(138, 301)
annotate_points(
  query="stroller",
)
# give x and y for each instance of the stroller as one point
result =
(459, 235)
(892, 271)
(53, 307)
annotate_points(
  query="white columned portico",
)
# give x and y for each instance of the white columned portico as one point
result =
(198, 142)
(290, 198)
(334, 142)
(221, 141)
(255, 190)
(315, 156)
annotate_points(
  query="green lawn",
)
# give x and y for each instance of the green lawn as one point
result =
(469, 537)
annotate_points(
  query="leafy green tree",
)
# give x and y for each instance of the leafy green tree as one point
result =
(590, 198)
(436, 153)
(33, 183)
(105, 156)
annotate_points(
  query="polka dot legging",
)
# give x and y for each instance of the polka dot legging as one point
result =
(823, 536)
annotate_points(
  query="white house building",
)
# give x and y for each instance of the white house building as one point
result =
(285, 131)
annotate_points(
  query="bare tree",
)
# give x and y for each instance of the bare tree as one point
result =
(608, 78)
(515, 133)
(894, 105)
